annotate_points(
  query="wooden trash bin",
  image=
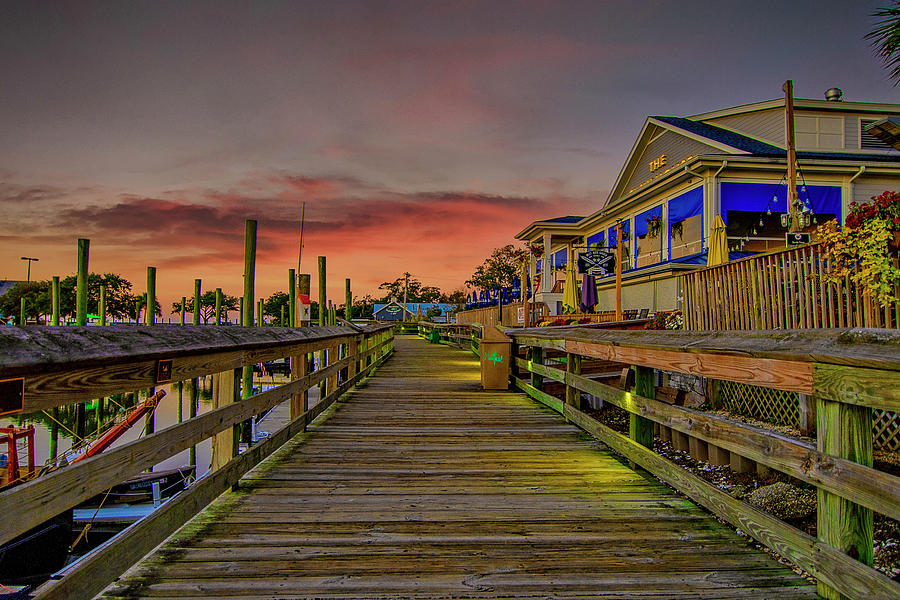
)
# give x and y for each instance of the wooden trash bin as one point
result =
(495, 353)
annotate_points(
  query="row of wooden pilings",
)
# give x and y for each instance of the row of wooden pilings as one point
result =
(299, 287)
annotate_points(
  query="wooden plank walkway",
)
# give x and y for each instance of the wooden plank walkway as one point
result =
(422, 486)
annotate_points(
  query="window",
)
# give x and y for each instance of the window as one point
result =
(819, 132)
(648, 238)
(686, 224)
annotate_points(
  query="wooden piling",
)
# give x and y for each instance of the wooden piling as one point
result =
(304, 287)
(348, 302)
(219, 299)
(246, 383)
(322, 296)
(183, 308)
(151, 295)
(22, 311)
(81, 282)
(103, 306)
(249, 270)
(54, 303)
(54, 432)
(197, 307)
(292, 298)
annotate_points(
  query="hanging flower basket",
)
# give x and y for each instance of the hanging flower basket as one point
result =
(654, 224)
(535, 250)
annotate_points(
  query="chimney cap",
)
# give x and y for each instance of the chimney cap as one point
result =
(834, 94)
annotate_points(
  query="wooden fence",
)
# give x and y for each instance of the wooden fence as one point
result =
(849, 373)
(778, 290)
(490, 315)
(458, 335)
(59, 366)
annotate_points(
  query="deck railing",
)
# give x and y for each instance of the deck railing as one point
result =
(462, 336)
(778, 290)
(58, 366)
(848, 373)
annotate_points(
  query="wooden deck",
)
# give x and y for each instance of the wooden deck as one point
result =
(420, 485)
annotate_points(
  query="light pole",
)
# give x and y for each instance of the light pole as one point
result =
(30, 260)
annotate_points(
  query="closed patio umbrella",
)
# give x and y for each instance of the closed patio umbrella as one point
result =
(718, 243)
(570, 290)
(588, 293)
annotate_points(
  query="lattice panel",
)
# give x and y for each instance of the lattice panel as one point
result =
(782, 408)
(773, 406)
(886, 430)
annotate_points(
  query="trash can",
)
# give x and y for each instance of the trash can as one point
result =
(495, 353)
(435, 336)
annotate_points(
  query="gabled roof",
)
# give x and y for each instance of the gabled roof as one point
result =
(712, 133)
(566, 219)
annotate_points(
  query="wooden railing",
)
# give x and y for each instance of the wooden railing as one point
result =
(848, 372)
(63, 365)
(778, 290)
(490, 315)
(462, 336)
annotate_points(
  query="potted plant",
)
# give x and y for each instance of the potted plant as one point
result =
(678, 230)
(654, 224)
(862, 250)
(536, 250)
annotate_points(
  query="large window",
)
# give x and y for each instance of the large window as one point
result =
(648, 237)
(614, 243)
(686, 224)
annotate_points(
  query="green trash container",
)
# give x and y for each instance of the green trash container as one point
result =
(435, 336)
(495, 353)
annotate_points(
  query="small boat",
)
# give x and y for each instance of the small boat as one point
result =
(42, 550)
(139, 489)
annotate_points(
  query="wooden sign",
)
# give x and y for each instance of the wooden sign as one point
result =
(597, 262)
(796, 239)
(164, 371)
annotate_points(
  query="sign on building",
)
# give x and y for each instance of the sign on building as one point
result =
(597, 262)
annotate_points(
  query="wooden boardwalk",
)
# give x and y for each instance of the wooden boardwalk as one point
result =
(422, 486)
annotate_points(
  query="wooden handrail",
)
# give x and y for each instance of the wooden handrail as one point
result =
(848, 372)
(62, 365)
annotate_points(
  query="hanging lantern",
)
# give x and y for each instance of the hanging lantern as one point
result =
(761, 222)
(754, 231)
(768, 211)
(785, 220)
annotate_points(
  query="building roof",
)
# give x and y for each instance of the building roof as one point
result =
(723, 136)
(566, 219)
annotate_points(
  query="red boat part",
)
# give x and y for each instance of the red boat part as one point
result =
(106, 440)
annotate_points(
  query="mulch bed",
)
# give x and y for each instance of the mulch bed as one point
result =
(740, 485)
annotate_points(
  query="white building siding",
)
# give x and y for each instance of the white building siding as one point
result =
(765, 125)
(864, 188)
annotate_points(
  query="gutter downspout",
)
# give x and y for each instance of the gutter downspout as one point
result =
(862, 169)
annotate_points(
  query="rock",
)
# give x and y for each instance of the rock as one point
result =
(784, 500)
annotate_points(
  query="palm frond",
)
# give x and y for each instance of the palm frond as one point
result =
(885, 38)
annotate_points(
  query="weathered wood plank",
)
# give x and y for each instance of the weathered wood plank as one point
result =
(418, 487)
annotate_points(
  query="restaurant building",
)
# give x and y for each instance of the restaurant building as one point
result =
(683, 171)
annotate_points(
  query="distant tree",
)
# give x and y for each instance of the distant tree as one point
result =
(433, 312)
(273, 306)
(120, 301)
(37, 299)
(416, 292)
(364, 308)
(499, 269)
(886, 38)
(207, 306)
(457, 297)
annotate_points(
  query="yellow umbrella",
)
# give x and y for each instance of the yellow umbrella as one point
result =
(718, 243)
(570, 290)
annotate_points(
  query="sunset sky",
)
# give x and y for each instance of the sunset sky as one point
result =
(420, 134)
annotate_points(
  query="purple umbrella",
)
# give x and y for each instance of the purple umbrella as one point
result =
(588, 293)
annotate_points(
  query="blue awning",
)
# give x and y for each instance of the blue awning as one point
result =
(760, 197)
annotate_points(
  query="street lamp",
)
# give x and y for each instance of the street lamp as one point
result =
(30, 260)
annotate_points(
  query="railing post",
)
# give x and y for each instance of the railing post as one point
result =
(844, 431)
(226, 389)
(573, 366)
(537, 357)
(299, 402)
(640, 429)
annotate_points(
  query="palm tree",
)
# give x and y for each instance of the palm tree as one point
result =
(886, 38)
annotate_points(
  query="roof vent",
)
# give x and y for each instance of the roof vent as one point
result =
(834, 95)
